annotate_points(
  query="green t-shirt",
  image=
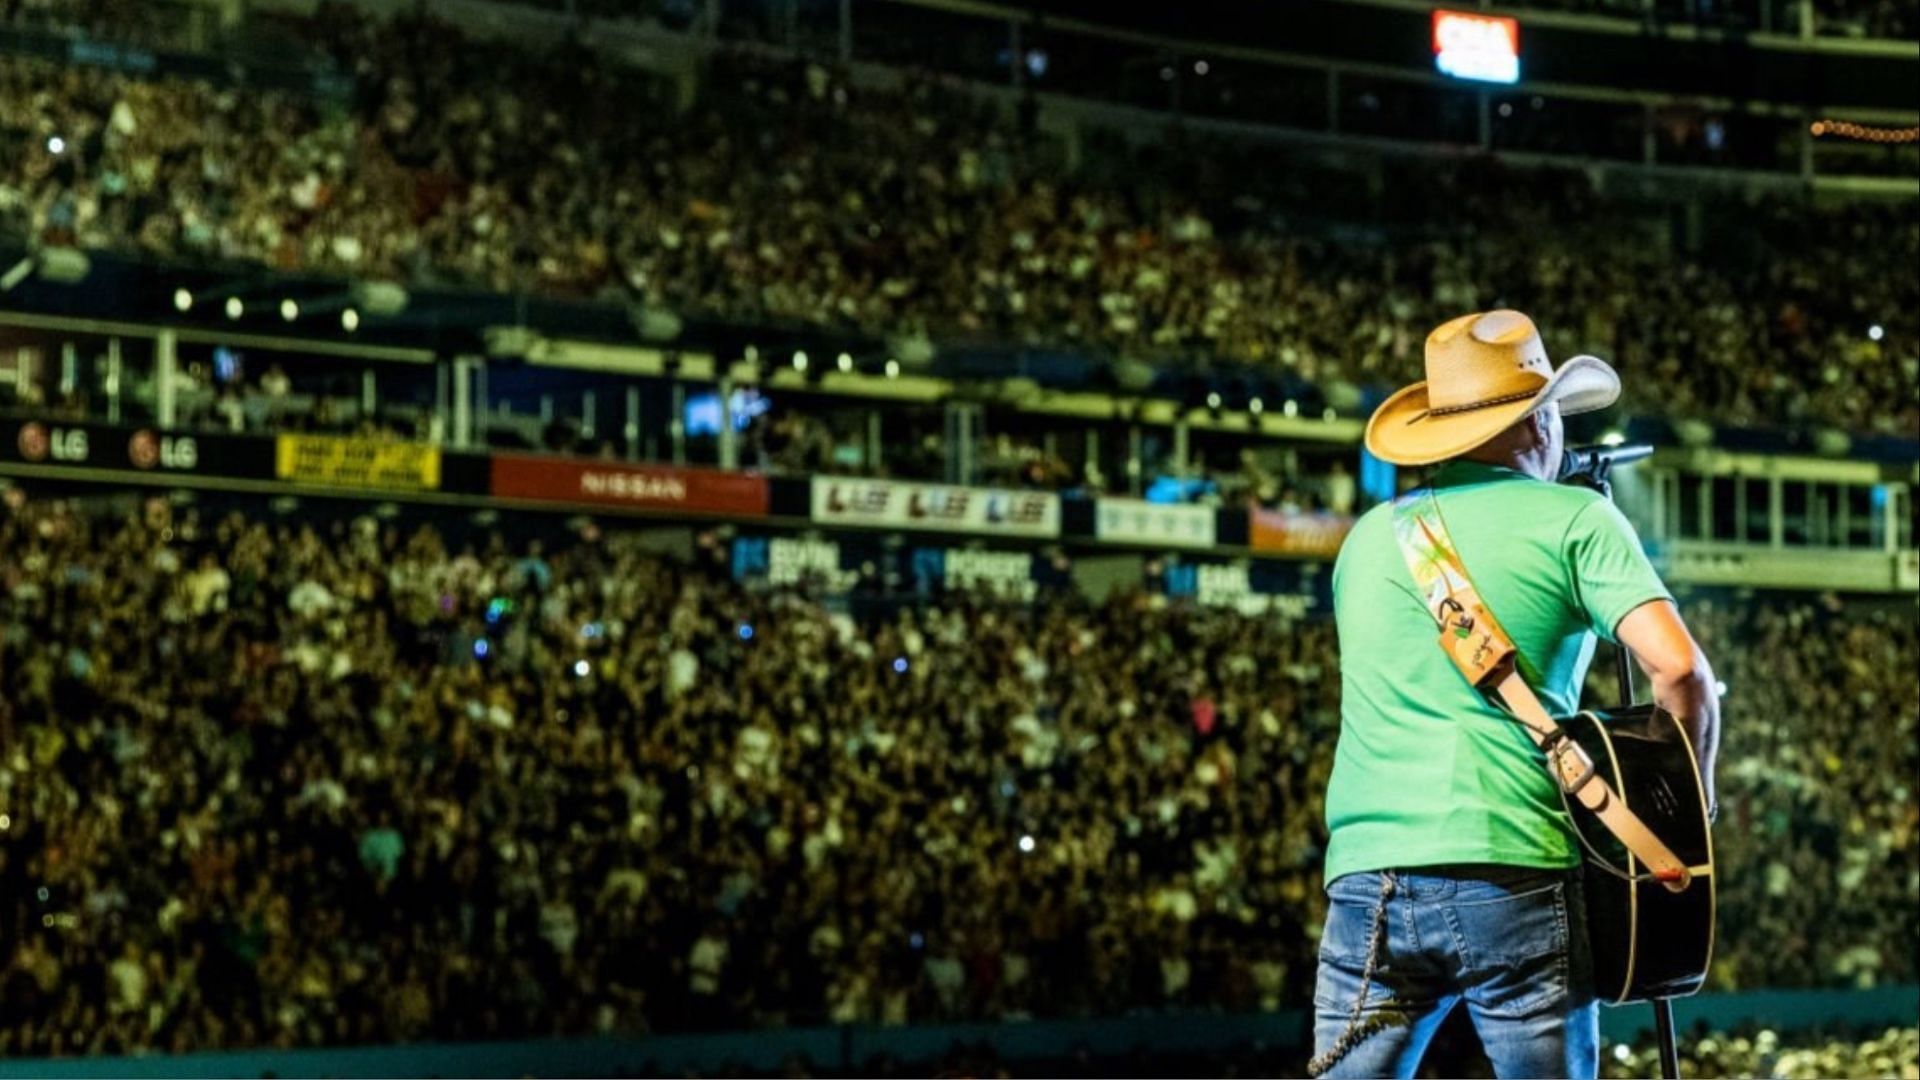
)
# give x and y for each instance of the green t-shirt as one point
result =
(1426, 771)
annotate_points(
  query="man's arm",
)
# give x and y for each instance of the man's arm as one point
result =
(1683, 682)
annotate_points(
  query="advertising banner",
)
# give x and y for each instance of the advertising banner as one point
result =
(638, 487)
(334, 461)
(935, 507)
(1293, 590)
(802, 560)
(79, 444)
(1282, 532)
(1008, 574)
(1136, 521)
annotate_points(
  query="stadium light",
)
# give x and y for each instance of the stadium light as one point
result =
(1481, 48)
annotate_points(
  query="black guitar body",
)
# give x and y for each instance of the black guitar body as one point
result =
(1648, 941)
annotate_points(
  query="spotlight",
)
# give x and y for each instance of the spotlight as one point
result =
(349, 320)
(235, 308)
(582, 668)
(289, 310)
(845, 363)
(1291, 408)
(1026, 844)
(182, 300)
(1876, 332)
(56, 146)
(1200, 67)
(799, 360)
(1213, 399)
(893, 369)
(1256, 406)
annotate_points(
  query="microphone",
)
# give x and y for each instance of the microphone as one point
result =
(1596, 460)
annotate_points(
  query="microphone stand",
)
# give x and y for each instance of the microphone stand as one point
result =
(1597, 475)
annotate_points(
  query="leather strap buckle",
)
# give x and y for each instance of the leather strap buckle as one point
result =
(1559, 747)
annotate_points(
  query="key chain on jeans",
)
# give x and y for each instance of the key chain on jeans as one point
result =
(1357, 1030)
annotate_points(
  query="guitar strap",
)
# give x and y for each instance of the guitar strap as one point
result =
(1486, 656)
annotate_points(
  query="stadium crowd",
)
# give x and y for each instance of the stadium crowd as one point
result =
(282, 783)
(787, 194)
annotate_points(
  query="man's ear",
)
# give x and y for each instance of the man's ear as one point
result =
(1541, 427)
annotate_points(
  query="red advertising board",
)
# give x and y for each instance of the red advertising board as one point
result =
(1286, 533)
(638, 487)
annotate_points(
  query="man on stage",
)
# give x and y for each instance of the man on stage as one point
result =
(1452, 867)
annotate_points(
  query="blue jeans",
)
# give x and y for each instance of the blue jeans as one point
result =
(1510, 941)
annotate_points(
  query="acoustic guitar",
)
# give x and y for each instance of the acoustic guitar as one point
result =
(1649, 941)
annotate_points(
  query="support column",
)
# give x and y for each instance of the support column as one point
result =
(166, 359)
(1776, 513)
(1017, 51)
(1135, 467)
(677, 424)
(479, 436)
(113, 379)
(464, 374)
(729, 442)
(632, 429)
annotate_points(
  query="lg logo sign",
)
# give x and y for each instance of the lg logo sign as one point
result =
(147, 450)
(38, 443)
(72, 446)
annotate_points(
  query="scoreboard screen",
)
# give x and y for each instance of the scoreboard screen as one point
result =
(1484, 48)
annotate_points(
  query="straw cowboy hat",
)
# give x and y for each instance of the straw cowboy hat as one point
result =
(1484, 373)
